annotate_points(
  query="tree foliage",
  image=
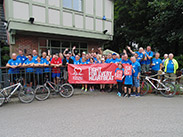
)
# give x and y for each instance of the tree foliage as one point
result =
(158, 23)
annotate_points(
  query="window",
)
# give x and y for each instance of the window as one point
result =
(56, 46)
(73, 4)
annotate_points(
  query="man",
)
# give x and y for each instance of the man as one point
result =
(29, 63)
(149, 54)
(14, 71)
(136, 76)
(43, 59)
(156, 64)
(165, 57)
(76, 61)
(21, 57)
(171, 66)
(34, 53)
(56, 63)
(67, 60)
(114, 58)
(126, 60)
(83, 56)
(109, 57)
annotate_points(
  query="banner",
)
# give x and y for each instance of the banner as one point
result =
(92, 73)
(127, 69)
(119, 75)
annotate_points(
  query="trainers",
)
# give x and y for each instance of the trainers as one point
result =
(86, 90)
(129, 95)
(138, 95)
(133, 94)
(91, 90)
(110, 90)
(82, 88)
(119, 94)
(125, 95)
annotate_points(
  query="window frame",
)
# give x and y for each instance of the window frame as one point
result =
(73, 6)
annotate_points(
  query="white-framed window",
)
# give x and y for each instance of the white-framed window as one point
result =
(73, 4)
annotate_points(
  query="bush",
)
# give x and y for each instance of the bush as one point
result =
(180, 61)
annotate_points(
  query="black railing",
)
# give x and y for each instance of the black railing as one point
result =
(33, 76)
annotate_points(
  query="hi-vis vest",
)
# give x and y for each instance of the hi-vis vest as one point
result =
(176, 65)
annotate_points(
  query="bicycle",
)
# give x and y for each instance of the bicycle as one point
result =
(165, 87)
(42, 92)
(25, 95)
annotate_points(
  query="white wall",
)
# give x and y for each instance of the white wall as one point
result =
(40, 1)
(89, 6)
(89, 23)
(79, 21)
(20, 10)
(99, 8)
(67, 19)
(55, 3)
(54, 16)
(38, 13)
(108, 9)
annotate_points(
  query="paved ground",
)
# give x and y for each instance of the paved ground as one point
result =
(94, 115)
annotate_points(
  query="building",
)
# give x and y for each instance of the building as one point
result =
(54, 25)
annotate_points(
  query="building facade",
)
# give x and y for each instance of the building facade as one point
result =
(55, 25)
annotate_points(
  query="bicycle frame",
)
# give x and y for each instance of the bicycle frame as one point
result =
(159, 82)
(9, 87)
(51, 85)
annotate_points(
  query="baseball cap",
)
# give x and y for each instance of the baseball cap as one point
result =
(114, 54)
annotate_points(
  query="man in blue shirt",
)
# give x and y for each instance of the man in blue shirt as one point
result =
(14, 70)
(21, 57)
(29, 63)
(114, 59)
(126, 60)
(136, 76)
(34, 53)
(109, 57)
(76, 60)
(149, 54)
(156, 64)
(43, 58)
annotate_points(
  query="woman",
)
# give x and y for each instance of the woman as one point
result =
(91, 85)
(84, 86)
(102, 86)
(39, 70)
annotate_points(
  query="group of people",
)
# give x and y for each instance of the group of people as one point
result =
(140, 61)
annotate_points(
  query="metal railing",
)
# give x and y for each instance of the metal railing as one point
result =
(34, 75)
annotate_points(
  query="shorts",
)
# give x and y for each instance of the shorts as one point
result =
(136, 82)
(54, 75)
(128, 86)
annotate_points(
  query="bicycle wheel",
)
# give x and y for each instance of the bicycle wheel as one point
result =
(42, 93)
(26, 95)
(2, 98)
(66, 90)
(144, 88)
(170, 89)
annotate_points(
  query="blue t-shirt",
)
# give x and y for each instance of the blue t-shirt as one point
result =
(156, 64)
(76, 62)
(114, 60)
(43, 60)
(83, 63)
(137, 67)
(126, 61)
(14, 63)
(22, 58)
(128, 79)
(140, 56)
(150, 53)
(35, 58)
(170, 67)
(95, 59)
(38, 70)
(108, 61)
(47, 69)
(116, 71)
(29, 62)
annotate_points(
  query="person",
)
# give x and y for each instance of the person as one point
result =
(39, 70)
(83, 55)
(126, 60)
(84, 86)
(92, 61)
(98, 61)
(14, 70)
(67, 60)
(156, 64)
(102, 86)
(114, 59)
(34, 53)
(29, 63)
(87, 58)
(47, 68)
(149, 54)
(43, 59)
(109, 57)
(136, 77)
(60, 56)
(21, 57)
(119, 81)
(76, 61)
(165, 57)
(128, 81)
(56, 63)
(171, 66)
